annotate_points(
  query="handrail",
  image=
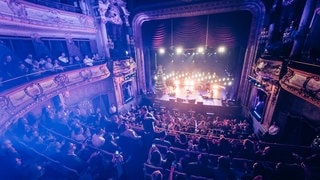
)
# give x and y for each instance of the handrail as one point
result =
(9, 83)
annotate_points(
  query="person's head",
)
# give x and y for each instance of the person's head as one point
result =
(248, 144)
(144, 110)
(203, 159)
(170, 157)
(49, 60)
(8, 58)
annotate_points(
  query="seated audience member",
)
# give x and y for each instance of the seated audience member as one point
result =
(170, 159)
(36, 67)
(272, 133)
(161, 140)
(48, 65)
(248, 151)
(224, 146)
(98, 139)
(87, 61)
(8, 68)
(22, 69)
(261, 170)
(70, 159)
(200, 167)
(154, 156)
(56, 66)
(78, 134)
(113, 110)
(110, 144)
(202, 145)
(181, 141)
(289, 171)
(223, 171)
(156, 175)
(126, 131)
(28, 61)
(77, 60)
(96, 57)
(22, 72)
(63, 60)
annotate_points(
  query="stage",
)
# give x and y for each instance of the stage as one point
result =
(209, 102)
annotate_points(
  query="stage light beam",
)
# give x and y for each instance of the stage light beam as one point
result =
(179, 50)
(221, 49)
(162, 51)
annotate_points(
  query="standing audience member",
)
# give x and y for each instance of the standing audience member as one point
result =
(98, 139)
(148, 120)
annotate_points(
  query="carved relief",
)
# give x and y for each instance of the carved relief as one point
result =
(34, 90)
(113, 15)
(4, 102)
(302, 84)
(17, 8)
(86, 74)
(61, 79)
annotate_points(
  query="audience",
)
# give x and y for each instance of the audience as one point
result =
(69, 141)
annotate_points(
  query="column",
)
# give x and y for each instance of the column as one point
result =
(303, 28)
(104, 38)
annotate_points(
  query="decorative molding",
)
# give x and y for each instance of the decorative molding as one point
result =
(20, 100)
(267, 69)
(19, 17)
(124, 67)
(302, 84)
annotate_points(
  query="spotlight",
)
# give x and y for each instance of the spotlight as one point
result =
(179, 50)
(221, 49)
(162, 51)
(200, 50)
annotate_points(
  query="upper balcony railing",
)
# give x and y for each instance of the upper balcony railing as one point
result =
(58, 5)
(20, 80)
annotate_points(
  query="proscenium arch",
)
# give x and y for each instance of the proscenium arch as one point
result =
(255, 7)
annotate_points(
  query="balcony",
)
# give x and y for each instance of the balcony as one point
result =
(18, 100)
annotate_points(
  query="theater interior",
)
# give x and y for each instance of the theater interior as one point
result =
(161, 89)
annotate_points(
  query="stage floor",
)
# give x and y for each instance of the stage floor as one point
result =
(198, 96)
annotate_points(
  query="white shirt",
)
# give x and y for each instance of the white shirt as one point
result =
(88, 61)
(63, 59)
(98, 140)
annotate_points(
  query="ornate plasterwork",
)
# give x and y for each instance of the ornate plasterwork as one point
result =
(255, 7)
(124, 67)
(17, 102)
(302, 84)
(21, 17)
(267, 69)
